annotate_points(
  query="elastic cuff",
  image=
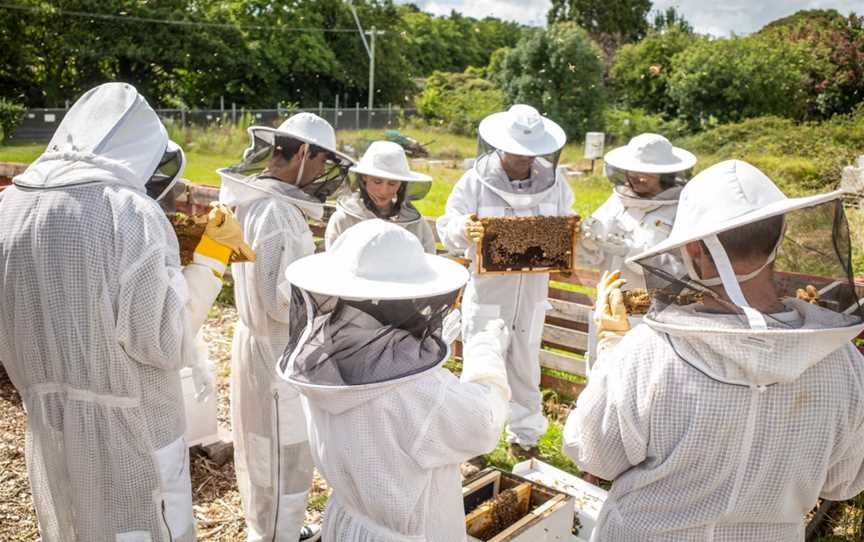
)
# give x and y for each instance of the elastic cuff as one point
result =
(213, 249)
(212, 254)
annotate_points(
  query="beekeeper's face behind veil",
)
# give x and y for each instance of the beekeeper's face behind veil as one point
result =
(517, 155)
(649, 167)
(764, 280)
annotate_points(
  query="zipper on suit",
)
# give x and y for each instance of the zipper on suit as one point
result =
(518, 298)
(278, 484)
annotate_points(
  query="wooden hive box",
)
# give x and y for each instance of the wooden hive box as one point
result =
(527, 244)
(504, 507)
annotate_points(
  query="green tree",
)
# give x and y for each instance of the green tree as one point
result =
(642, 70)
(459, 101)
(624, 19)
(727, 80)
(671, 19)
(452, 43)
(835, 48)
(559, 71)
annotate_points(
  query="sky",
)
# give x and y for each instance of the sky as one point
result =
(706, 16)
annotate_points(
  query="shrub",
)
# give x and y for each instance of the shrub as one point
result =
(459, 101)
(642, 70)
(834, 45)
(11, 115)
(622, 124)
(559, 71)
(728, 80)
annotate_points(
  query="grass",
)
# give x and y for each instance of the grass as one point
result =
(550, 450)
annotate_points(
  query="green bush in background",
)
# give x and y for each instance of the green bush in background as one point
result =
(642, 70)
(11, 115)
(728, 80)
(459, 101)
(560, 72)
(622, 124)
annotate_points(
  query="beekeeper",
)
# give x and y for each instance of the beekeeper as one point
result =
(97, 318)
(282, 182)
(514, 175)
(727, 418)
(389, 424)
(647, 174)
(386, 189)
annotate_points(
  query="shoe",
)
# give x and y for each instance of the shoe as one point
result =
(517, 450)
(310, 533)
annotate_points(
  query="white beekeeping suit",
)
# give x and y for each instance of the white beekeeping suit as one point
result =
(388, 424)
(726, 418)
(384, 161)
(648, 174)
(271, 449)
(96, 319)
(518, 299)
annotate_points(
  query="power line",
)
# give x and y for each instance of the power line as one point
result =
(131, 18)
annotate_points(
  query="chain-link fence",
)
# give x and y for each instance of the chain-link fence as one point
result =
(39, 125)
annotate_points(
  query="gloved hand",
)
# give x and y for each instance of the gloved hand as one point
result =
(451, 327)
(609, 312)
(809, 294)
(498, 329)
(474, 228)
(204, 381)
(222, 237)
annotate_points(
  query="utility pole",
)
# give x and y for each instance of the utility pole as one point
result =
(372, 33)
(370, 50)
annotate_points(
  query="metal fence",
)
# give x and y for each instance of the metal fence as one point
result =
(39, 124)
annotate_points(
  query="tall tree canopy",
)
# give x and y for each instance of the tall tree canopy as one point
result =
(627, 20)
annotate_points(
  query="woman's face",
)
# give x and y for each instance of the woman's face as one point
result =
(382, 191)
(516, 166)
(644, 184)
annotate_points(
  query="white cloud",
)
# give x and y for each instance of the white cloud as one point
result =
(706, 16)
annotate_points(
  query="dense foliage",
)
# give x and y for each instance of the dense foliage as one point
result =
(459, 101)
(255, 53)
(560, 72)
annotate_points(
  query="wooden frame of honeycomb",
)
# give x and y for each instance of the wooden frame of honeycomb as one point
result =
(527, 244)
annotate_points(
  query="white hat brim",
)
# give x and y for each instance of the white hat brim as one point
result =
(409, 177)
(495, 131)
(622, 158)
(771, 210)
(322, 273)
(271, 133)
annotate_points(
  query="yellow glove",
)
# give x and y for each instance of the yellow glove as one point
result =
(609, 312)
(474, 228)
(809, 294)
(222, 237)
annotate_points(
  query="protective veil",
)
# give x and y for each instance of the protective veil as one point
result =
(96, 319)
(387, 161)
(388, 424)
(629, 223)
(520, 299)
(717, 420)
(271, 448)
(351, 210)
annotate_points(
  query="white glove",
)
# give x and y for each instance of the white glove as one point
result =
(204, 382)
(203, 379)
(451, 327)
(483, 361)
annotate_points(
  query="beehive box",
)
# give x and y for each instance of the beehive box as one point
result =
(527, 244)
(587, 498)
(504, 507)
(201, 422)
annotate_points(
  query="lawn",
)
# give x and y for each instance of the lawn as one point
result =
(209, 150)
